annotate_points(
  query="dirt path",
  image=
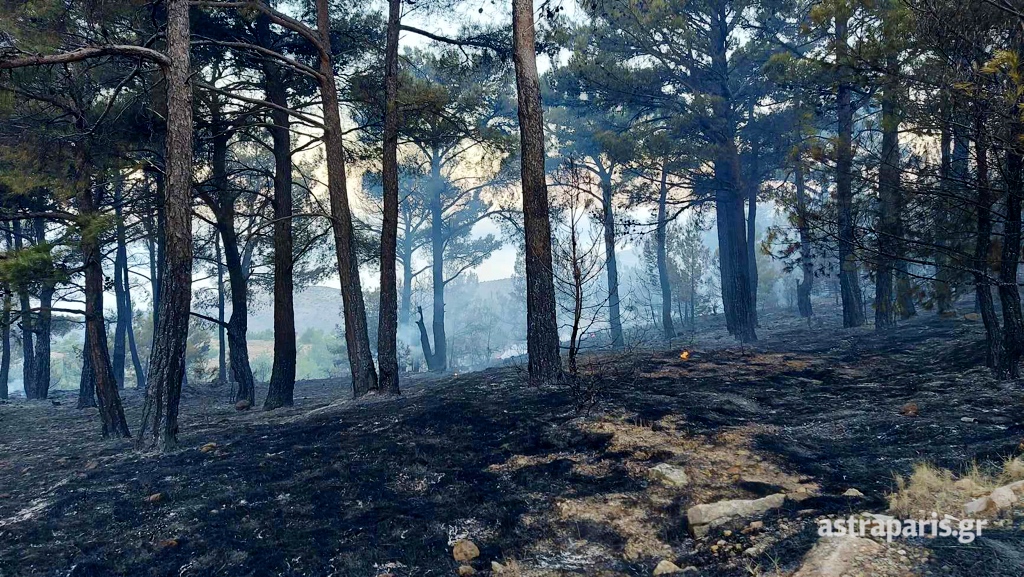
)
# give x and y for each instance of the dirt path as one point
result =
(385, 486)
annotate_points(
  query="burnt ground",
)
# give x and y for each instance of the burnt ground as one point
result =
(377, 486)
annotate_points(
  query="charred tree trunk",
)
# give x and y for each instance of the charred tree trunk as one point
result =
(87, 381)
(123, 315)
(167, 361)
(545, 363)
(5, 339)
(387, 327)
(732, 236)
(140, 372)
(43, 325)
(806, 282)
(27, 337)
(281, 391)
(111, 411)
(982, 247)
(357, 339)
(940, 220)
(238, 323)
(424, 338)
(888, 213)
(753, 187)
(611, 264)
(405, 309)
(663, 276)
(1009, 294)
(222, 344)
(439, 361)
(849, 273)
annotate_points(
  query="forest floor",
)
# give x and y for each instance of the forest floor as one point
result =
(386, 486)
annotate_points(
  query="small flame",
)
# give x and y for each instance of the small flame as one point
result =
(684, 355)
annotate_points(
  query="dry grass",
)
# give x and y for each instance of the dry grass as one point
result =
(931, 489)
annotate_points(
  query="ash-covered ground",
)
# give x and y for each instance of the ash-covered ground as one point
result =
(386, 486)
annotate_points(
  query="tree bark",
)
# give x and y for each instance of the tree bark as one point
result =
(27, 341)
(439, 361)
(238, 323)
(982, 247)
(732, 237)
(111, 412)
(364, 374)
(849, 274)
(123, 316)
(660, 237)
(167, 361)
(611, 265)
(940, 219)
(140, 372)
(542, 343)
(387, 327)
(281, 390)
(888, 213)
(806, 282)
(87, 381)
(1009, 294)
(753, 187)
(42, 326)
(222, 345)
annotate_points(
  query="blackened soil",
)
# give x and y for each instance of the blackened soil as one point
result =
(383, 485)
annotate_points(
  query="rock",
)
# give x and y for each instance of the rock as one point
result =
(909, 410)
(666, 567)
(1003, 498)
(978, 506)
(702, 518)
(756, 525)
(973, 317)
(465, 550)
(497, 567)
(243, 405)
(466, 570)
(669, 475)
(155, 498)
(167, 544)
(836, 556)
(853, 493)
(208, 447)
(89, 466)
(968, 420)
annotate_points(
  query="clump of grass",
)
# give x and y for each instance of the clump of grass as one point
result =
(932, 489)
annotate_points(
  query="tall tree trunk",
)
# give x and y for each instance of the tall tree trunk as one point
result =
(888, 212)
(944, 273)
(753, 183)
(281, 391)
(439, 360)
(405, 310)
(43, 325)
(140, 372)
(222, 344)
(238, 323)
(734, 260)
(1009, 295)
(87, 380)
(5, 329)
(803, 288)
(611, 265)
(357, 339)
(849, 274)
(387, 327)
(123, 316)
(111, 411)
(28, 354)
(660, 237)
(167, 361)
(424, 338)
(545, 363)
(982, 247)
